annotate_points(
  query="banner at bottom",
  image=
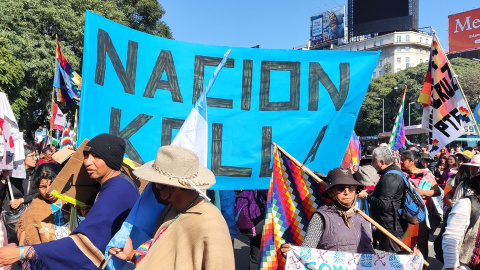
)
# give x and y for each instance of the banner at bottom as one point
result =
(317, 259)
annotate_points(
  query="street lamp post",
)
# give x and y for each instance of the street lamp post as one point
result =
(413, 102)
(383, 114)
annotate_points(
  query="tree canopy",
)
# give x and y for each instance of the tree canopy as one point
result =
(390, 87)
(28, 32)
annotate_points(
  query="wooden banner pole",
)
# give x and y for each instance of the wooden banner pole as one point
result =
(365, 216)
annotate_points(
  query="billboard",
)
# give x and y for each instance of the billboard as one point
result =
(380, 16)
(464, 31)
(328, 25)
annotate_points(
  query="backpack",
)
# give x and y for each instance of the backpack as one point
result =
(412, 208)
(250, 209)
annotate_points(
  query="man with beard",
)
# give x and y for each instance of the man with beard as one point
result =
(337, 226)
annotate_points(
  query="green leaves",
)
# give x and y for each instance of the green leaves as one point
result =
(27, 47)
(390, 86)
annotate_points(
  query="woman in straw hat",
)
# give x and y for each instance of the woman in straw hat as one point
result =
(191, 233)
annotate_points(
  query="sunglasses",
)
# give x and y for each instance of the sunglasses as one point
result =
(342, 188)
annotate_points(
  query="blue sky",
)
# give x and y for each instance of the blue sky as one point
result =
(279, 24)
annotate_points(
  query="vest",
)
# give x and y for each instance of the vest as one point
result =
(468, 253)
(338, 237)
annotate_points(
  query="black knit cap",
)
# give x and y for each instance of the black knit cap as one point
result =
(108, 147)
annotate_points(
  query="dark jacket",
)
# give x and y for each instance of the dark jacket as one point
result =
(19, 189)
(386, 200)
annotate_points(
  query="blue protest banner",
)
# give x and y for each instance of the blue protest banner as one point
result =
(142, 87)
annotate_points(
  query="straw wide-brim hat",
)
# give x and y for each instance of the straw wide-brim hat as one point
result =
(474, 161)
(178, 167)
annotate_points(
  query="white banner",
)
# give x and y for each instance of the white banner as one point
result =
(317, 259)
(448, 113)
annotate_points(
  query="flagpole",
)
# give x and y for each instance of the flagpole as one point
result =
(307, 170)
(402, 108)
(53, 90)
(458, 83)
(312, 174)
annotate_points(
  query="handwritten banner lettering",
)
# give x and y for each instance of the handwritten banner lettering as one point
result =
(141, 88)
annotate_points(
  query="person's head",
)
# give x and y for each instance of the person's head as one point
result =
(474, 184)
(103, 156)
(463, 157)
(462, 174)
(423, 148)
(172, 173)
(382, 157)
(473, 165)
(442, 159)
(367, 158)
(451, 161)
(408, 159)
(43, 177)
(341, 187)
(47, 153)
(458, 148)
(425, 160)
(30, 157)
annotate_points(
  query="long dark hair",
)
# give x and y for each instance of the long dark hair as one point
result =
(46, 171)
(442, 155)
(462, 174)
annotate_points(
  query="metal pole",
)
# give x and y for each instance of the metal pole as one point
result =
(409, 114)
(383, 117)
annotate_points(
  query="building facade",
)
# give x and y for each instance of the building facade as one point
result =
(399, 50)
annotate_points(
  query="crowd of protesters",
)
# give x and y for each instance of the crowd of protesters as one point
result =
(39, 234)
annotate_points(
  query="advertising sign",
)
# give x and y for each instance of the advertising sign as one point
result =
(328, 25)
(464, 31)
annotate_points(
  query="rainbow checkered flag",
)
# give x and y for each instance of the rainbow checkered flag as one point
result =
(70, 90)
(397, 139)
(293, 197)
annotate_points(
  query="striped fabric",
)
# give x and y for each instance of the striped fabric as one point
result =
(66, 141)
(397, 139)
(293, 197)
(70, 91)
(88, 248)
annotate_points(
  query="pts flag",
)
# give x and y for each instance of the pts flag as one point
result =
(445, 111)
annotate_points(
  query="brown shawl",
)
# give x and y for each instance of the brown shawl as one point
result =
(197, 240)
(37, 222)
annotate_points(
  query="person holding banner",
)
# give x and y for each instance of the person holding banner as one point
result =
(191, 234)
(337, 226)
(84, 248)
(17, 193)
